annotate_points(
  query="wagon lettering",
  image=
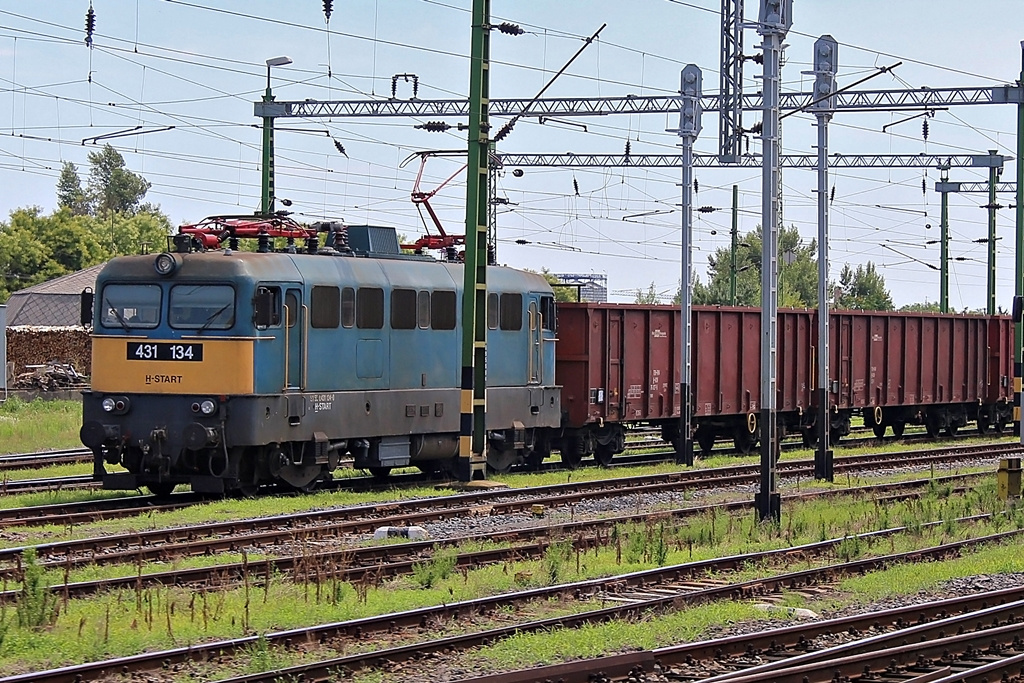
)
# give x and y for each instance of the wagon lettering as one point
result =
(659, 334)
(634, 391)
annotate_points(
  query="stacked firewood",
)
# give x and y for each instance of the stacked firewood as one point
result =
(30, 348)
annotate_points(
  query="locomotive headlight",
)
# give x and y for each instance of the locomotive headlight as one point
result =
(108, 404)
(207, 407)
(165, 264)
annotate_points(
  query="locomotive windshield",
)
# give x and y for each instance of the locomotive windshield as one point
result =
(130, 306)
(202, 307)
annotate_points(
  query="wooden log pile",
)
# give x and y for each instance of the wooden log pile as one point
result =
(30, 345)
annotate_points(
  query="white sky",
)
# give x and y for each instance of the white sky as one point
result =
(179, 63)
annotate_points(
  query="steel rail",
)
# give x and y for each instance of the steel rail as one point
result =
(421, 617)
(358, 563)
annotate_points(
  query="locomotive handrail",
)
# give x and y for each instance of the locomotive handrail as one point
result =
(305, 347)
(287, 359)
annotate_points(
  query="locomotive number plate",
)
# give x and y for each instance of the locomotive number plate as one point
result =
(164, 351)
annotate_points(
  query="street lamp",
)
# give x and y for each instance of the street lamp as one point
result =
(267, 205)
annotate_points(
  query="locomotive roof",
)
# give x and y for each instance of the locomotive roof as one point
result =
(319, 269)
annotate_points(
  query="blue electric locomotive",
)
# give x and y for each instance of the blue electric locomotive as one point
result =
(227, 370)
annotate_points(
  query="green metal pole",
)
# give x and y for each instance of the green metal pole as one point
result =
(992, 178)
(944, 248)
(735, 243)
(267, 205)
(472, 444)
(1018, 280)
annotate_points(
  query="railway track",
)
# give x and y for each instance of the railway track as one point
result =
(655, 590)
(19, 461)
(69, 514)
(361, 563)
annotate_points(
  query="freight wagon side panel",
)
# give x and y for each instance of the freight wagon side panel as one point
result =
(727, 361)
(572, 364)
(1000, 360)
(796, 366)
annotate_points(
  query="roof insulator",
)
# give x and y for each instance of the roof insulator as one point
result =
(340, 147)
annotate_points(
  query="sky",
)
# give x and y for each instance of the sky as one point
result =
(184, 74)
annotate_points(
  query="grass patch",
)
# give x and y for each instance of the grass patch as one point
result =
(39, 425)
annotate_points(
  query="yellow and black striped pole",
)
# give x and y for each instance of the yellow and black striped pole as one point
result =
(472, 425)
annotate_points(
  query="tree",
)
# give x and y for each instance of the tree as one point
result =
(647, 298)
(863, 289)
(70, 194)
(921, 307)
(112, 187)
(798, 272)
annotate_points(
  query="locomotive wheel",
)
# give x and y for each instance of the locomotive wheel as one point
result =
(501, 461)
(572, 452)
(879, 430)
(898, 428)
(379, 472)
(162, 489)
(603, 455)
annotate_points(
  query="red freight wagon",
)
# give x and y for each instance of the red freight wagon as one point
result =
(618, 365)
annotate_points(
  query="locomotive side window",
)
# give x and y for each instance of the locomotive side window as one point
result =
(325, 308)
(403, 309)
(423, 310)
(202, 307)
(492, 311)
(547, 312)
(348, 307)
(130, 306)
(267, 307)
(442, 310)
(511, 312)
(370, 308)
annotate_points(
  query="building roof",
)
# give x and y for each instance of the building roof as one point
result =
(51, 303)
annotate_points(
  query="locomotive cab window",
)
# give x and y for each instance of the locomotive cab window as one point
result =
(403, 309)
(325, 308)
(547, 312)
(130, 306)
(442, 310)
(511, 312)
(370, 308)
(267, 307)
(202, 307)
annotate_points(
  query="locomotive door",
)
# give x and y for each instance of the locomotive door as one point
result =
(295, 371)
(536, 371)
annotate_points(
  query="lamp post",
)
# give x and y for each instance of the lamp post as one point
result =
(267, 205)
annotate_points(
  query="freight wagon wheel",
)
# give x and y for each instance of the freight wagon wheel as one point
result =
(706, 441)
(897, 429)
(743, 441)
(983, 425)
(572, 452)
(931, 428)
(952, 429)
(379, 472)
(998, 427)
(603, 455)
(162, 489)
(879, 430)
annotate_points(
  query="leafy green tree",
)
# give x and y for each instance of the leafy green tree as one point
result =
(921, 307)
(70, 194)
(563, 293)
(798, 272)
(647, 298)
(111, 186)
(864, 289)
